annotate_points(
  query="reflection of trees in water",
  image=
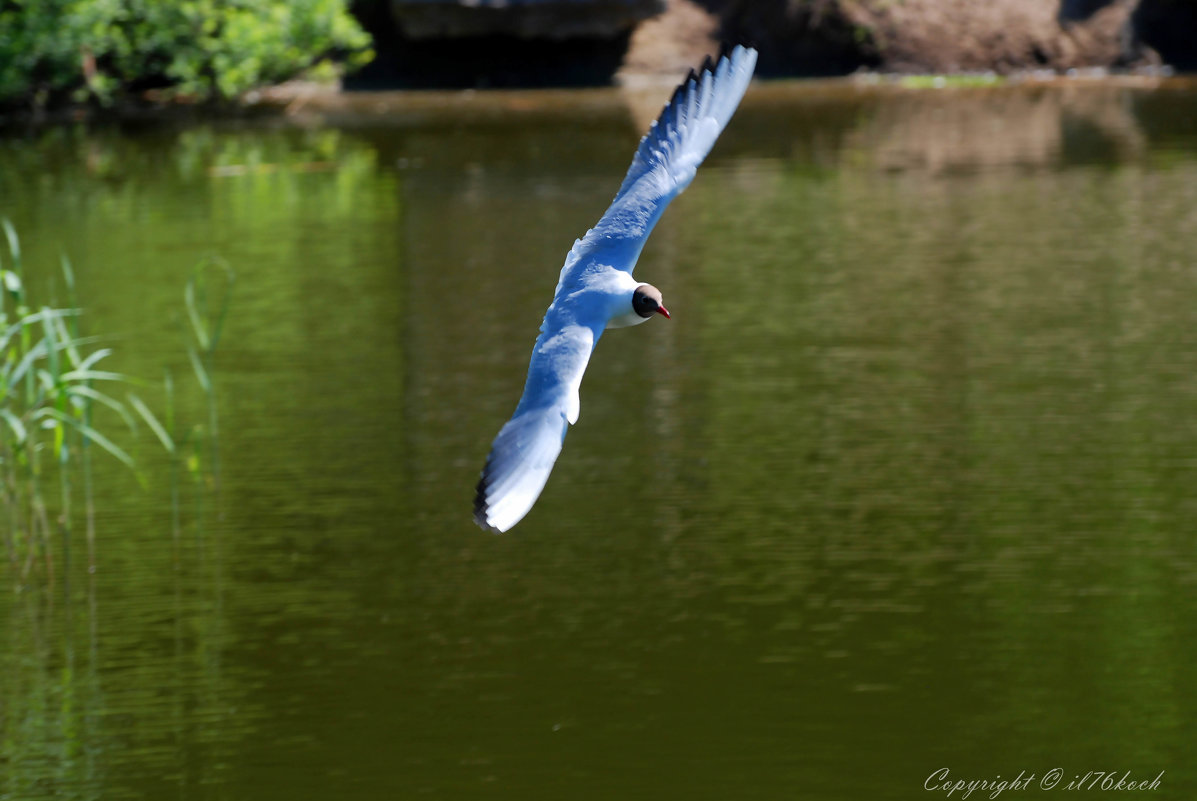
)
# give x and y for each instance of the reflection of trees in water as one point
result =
(920, 436)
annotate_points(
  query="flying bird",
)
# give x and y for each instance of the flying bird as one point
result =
(596, 290)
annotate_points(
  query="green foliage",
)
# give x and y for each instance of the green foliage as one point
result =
(55, 49)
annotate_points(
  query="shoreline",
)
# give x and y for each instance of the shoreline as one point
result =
(299, 100)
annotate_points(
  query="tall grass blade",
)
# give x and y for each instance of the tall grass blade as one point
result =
(42, 350)
(22, 325)
(67, 342)
(91, 433)
(68, 274)
(14, 422)
(217, 321)
(197, 322)
(169, 387)
(153, 423)
(22, 369)
(84, 391)
(52, 344)
(93, 357)
(200, 373)
(92, 375)
(206, 323)
(14, 244)
(12, 282)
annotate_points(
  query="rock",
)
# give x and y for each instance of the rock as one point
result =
(666, 47)
(999, 35)
(577, 42)
(812, 37)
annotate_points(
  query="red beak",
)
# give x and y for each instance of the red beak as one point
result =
(664, 311)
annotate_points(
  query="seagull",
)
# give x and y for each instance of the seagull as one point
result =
(596, 290)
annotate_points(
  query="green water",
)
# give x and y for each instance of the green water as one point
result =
(908, 483)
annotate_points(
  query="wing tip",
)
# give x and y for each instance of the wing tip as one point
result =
(733, 57)
(714, 91)
(710, 66)
(481, 521)
(481, 505)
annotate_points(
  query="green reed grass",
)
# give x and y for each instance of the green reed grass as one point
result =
(50, 384)
(194, 448)
(206, 297)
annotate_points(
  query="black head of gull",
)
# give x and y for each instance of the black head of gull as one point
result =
(647, 301)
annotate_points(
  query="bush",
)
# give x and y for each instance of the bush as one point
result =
(54, 50)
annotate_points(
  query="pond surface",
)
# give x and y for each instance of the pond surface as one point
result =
(908, 483)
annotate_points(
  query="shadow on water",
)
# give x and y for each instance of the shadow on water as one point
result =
(906, 484)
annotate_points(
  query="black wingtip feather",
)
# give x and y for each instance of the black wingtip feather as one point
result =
(693, 79)
(679, 91)
(481, 507)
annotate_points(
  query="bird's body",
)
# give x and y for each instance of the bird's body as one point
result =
(596, 289)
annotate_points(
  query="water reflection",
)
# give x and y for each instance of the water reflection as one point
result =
(905, 484)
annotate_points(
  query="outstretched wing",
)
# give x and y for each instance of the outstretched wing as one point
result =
(527, 446)
(665, 162)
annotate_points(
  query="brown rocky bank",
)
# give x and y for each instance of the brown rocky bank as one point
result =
(498, 42)
(827, 37)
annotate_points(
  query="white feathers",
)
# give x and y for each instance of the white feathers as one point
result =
(524, 452)
(595, 286)
(519, 465)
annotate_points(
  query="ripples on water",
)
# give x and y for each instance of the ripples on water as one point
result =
(906, 484)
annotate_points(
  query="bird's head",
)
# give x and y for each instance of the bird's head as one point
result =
(647, 301)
